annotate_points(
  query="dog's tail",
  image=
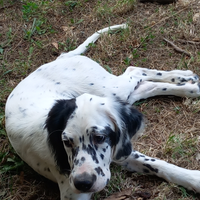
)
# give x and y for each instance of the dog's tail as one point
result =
(81, 49)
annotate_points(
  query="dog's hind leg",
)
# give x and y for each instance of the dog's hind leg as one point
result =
(140, 83)
(174, 76)
(141, 163)
(148, 89)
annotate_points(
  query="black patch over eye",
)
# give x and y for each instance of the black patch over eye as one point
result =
(98, 139)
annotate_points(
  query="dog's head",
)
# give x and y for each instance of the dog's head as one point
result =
(86, 134)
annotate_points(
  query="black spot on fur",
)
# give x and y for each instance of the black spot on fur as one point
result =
(164, 89)
(159, 74)
(183, 80)
(102, 156)
(83, 159)
(180, 84)
(172, 80)
(57, 83)
(143, 74)
(136, 156)
(55, 125)
(76, 162)
(99, 171)
(107, 181)
(91, 84)
(22, 110)
(83, 139)
(90, 99)
(96, 147)
(151, 168)
(90, 150)
(83, 147)
(128, 97)
(146, 159)
(75, 152)
(11, 96)
(136, 87)
(90, 139)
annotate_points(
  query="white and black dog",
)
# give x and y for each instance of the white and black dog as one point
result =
(70, 119)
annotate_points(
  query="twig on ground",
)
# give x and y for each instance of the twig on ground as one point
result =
(189, 42)
(166, 18)
(177, 48)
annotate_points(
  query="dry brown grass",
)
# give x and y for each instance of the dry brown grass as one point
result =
(173, 123)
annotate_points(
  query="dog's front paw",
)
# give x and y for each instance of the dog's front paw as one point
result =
(194, 181)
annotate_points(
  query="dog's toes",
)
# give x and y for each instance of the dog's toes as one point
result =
(184, 79)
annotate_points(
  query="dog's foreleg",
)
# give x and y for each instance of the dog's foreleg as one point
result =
(141, 163)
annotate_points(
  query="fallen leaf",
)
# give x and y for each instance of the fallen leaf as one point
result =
(55, 44)
(144, 195)
(185, 2)
(123, 195)
(196, 17)
(198, 157)
(67, 28)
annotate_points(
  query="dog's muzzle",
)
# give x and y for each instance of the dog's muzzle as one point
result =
(84, 182)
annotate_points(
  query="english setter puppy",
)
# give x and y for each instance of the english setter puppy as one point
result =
(70, 119)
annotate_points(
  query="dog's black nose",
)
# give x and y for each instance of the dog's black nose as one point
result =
(83, 182)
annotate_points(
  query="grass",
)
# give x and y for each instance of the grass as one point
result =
(36, 32)
(179, 146)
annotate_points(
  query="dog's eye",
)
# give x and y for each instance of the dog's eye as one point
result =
(99, 139)
(68, 142)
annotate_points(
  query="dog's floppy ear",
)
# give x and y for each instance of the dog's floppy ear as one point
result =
(55, 125)
(127, 124)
